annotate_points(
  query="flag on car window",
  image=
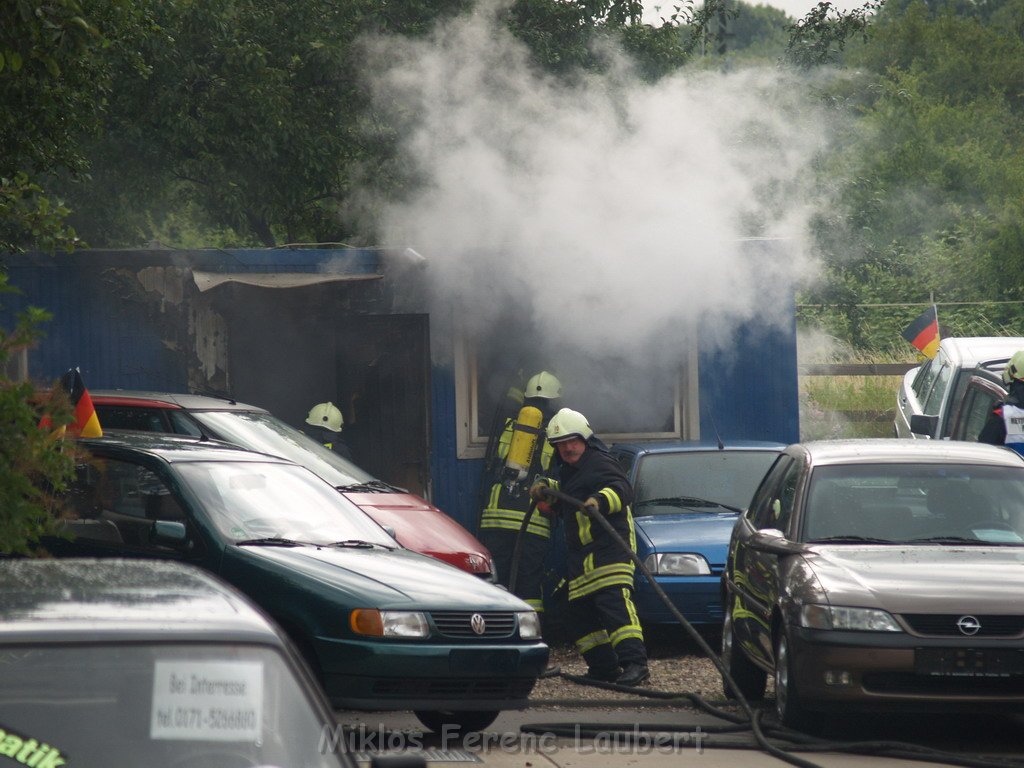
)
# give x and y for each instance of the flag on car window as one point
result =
(923, 332)
(86, 423)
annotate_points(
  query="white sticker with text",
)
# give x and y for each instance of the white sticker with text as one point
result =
(207, 700)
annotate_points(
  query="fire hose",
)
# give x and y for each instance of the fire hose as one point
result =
(751, 718)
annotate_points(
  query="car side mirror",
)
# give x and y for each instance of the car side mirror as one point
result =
(773, 541)
(170, 533)
(921, 424)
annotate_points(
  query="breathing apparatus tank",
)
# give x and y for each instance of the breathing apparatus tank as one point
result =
(525, 432)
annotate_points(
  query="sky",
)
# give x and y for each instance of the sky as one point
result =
(795, 8)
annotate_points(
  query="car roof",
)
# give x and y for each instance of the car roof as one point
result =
(971, 351)
(172, 448)
(168, 400)
(887, 449)
(684, 446)
(76, 599)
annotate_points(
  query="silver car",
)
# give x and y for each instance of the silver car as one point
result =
(930, 393)
(880, 574)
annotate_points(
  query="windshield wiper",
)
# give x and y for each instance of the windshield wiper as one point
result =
(951, 540)
(850, 539)
(270, 541)
(372, 486)
(359, 544)
(685, 502)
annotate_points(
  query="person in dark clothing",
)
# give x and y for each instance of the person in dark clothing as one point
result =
(508, 500)
(1005, 424)
(600, 611)
(324, 424)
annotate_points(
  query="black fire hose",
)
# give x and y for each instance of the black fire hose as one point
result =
(799, 742)
(752, 716)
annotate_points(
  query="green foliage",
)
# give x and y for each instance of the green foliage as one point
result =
(34, 465)
(820, 36)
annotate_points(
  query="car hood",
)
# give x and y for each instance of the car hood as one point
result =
(422, 527)
(686, 532)
(921, 579)
(383, 578)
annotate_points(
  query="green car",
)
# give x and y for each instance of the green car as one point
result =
(382, 627)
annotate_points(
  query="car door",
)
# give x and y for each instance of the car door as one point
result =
(120, 508)
(978, 402)
(753, 575)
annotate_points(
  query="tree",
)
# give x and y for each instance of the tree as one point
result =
(54, 74)
(35, 466)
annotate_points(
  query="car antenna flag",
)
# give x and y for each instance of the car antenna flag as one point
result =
(86, 423)
(923, 332)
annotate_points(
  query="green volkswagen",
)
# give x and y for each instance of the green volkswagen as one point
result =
(382, 627)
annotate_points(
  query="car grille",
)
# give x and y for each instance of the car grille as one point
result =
(908, 683)
(462, 688)
(945, 625)
(459, 623)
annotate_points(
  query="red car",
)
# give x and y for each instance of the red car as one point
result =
(416, 523)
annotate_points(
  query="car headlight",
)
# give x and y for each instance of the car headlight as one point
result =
(844, 618)
(677, 564)
(374, 623)
(529, 625)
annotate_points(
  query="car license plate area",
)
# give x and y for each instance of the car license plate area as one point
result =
(479, 662)
(968, 662)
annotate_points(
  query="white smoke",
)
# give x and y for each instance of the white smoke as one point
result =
(610, 210)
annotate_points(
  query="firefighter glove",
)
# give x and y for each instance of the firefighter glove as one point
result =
(593, 506)
(545, 509)
(538, 489)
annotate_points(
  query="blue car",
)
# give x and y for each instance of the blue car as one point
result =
(687, 497)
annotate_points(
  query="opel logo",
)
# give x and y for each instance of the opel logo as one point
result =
(968, 625)
(476, 621)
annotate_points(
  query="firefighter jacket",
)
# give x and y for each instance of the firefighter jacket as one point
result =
(595, 560)
(507, 507)
(1005, 424)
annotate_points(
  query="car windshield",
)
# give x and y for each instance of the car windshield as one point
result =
(916, 503)
(166, 705)
(265, 433)
(699, 481)
(262, 500)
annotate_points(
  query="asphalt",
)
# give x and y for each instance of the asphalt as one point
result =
(623, 737)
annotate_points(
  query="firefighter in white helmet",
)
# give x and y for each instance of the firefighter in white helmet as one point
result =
(324, 424)
(522, 454)
(600, 610)
(1005, 423)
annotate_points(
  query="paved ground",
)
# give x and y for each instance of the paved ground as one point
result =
(653, 737)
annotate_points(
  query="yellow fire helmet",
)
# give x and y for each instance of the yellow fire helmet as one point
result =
(325, 415)
(1015, 368)
(544, 385)
(566, 424)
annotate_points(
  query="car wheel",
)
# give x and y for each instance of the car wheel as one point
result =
(749, 678)
(788, 706)
(464, 720)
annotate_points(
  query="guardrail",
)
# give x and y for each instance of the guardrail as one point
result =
(856, 369)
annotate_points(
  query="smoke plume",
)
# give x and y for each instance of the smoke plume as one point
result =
(613, 213)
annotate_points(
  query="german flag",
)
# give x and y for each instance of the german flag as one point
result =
(923, 333)
(87, 423)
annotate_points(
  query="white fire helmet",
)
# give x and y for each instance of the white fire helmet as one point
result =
(544, 385)
(325, 415)
(566, 424)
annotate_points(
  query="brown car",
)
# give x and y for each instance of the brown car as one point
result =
(880, 574)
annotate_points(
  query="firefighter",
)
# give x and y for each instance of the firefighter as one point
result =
(324, 425)
(600, 610)
(1005, 424)
(522, 454)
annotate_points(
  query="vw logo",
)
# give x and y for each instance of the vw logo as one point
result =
(967, 625)
(477, 623)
